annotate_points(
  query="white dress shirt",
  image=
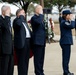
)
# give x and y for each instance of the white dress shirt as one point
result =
(27, 31)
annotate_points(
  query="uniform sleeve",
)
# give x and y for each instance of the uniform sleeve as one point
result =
(70, 24)
(75, 23)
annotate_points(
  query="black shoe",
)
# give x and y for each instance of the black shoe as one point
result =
(68, 73)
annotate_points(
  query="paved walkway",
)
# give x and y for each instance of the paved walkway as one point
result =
(53, 60)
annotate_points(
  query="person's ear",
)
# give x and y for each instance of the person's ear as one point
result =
(3, 13)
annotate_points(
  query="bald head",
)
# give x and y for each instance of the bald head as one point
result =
(38, 9)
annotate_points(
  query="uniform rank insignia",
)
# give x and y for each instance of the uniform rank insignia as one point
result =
(67, 23)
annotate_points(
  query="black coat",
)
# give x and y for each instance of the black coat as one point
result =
(6, 35)
(38, 27)
(19, 32)
(66, 32)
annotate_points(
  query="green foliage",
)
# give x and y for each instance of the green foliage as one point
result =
(71, 3)
(60, 3)
(63, 3)
(49, 3)
(35, 1)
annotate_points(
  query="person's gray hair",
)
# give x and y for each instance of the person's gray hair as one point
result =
(36, 7)
(4, 7)
(17, 12)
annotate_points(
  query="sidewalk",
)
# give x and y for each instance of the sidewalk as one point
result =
(53, 60)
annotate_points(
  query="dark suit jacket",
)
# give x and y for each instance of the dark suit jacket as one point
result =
(19, 32)
(38, 28)
(66, 33)
(75, 23)
(6, 35)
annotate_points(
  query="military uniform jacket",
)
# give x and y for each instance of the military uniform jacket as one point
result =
(66, 33)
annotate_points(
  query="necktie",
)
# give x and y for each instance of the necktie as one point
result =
(10, 26)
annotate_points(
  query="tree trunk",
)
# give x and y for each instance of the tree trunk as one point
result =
(42, 3)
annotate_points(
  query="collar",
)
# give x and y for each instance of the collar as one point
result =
(3, 16)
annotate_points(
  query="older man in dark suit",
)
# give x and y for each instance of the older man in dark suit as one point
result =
(6, 42)
(22, 41)
(38, 39)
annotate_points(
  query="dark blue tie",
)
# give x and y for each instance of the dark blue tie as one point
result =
(10, 26)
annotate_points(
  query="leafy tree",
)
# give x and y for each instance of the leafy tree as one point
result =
(24, 4)
(63, 3)
(59, 3)
(47, 3)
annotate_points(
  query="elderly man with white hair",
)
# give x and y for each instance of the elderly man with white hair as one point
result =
(6, 55)
(39, 39)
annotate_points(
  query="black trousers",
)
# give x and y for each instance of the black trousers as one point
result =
(0, 65)
(6, 64)
(23, 58)
(66, 51)
(39, 53)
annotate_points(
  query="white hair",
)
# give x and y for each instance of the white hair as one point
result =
(36, 7)
(4, 7)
